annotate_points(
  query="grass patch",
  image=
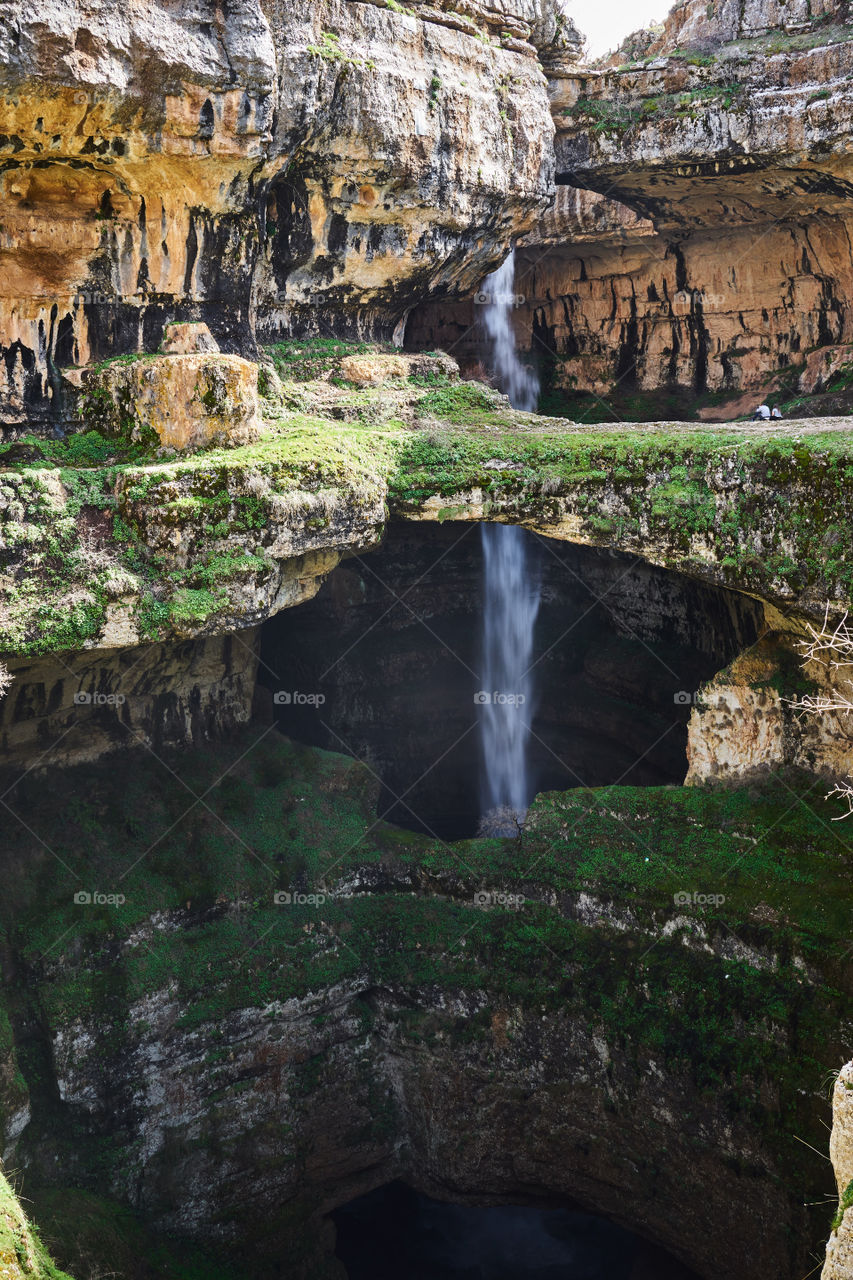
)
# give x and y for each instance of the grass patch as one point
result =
(22, 1254)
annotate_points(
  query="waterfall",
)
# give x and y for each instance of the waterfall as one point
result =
(498, 297)
(506, 701)
(510, 601)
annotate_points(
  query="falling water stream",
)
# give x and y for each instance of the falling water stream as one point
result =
(499, 296)
(511, 591)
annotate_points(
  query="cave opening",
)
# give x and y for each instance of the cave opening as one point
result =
(386, 664)
(396, 1231)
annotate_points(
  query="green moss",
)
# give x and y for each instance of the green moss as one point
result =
(303, 359)
(82, 449)
(87, 1231)
(330, 50)
(610, 117)
(656, 979)
(224, 508)
(845, 1202)
(22, 1253)
(193, 605)
(457, 402)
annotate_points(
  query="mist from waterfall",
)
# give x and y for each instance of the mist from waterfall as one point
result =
(511, 591)
(498, 297)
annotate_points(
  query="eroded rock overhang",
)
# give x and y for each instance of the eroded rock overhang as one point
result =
(221, 540)
(704, 242)
(272, 168)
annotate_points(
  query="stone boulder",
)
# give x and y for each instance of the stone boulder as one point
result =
(187, 339)
(747, 720)
(181, 402)
(372, 370)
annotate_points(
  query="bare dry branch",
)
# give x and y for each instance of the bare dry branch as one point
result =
(837, 642)
(819, 705)
(831, 645)
(845, 790)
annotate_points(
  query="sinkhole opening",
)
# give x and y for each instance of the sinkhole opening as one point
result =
(389, 663)
(395, 1232)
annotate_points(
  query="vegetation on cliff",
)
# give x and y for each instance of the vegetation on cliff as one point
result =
(93, 527)
(699, 933)
(22, 1254)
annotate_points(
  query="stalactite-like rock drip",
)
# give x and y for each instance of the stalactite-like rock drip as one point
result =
(703, 243)
(269, 168)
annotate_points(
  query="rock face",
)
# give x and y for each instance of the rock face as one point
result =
(756, 146)
(621, 648)
(184, 402)
(158, 696)
(265, 168)
(234, 1064)
(839, 1252)
(410, 1115)
(204, 545)
(692, 23)
(746, 720)
(709, 250)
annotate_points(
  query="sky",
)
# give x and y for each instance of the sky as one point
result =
(605, 23)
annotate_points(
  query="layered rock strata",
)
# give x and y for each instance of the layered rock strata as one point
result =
(234, 1064)
(749, 720)
(264, 169)
(708, 251)
(752, 144)
(620, 650)
(108, 554)
(124, 552)
(87, 705)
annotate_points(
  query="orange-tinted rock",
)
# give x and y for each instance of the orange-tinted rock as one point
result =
(188, 401)
(266, 169)
(747, 719)
(187, 339)
(373, 370)
(706, 244)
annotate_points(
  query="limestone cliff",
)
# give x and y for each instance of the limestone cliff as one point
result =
(839, 1252)
(703, 247)
(697, 24)
(129, 573)
(747, 720)
(263, 167)
(110, 543)
(283, 1002)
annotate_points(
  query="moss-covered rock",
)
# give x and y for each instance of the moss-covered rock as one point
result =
(178, 402)
(224, 538)
(22, 1254)
(648, 982)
